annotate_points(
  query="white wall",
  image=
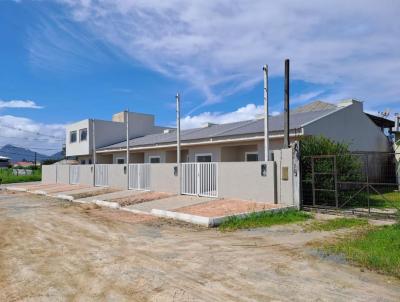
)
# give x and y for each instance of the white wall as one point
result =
(77, 148)
(243, 180)
(214, 150)
(109, 132)
(351, 125)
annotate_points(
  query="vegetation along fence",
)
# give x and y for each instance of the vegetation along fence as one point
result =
(352, 181)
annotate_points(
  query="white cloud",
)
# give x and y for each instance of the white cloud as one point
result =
(24, 132)
(19, 104)
(248, 112)
(220, 46)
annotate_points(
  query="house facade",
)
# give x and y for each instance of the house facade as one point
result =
(233, 142)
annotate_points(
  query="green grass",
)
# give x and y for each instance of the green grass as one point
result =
(336, 224)
(386, 200)
(264, 219)
(374, 248)
(7, 177)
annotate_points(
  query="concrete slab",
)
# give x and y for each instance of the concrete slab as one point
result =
(27, 187)
(21, 184)
(63, 188)
(170, 203)
(79, 191)
(110, 196)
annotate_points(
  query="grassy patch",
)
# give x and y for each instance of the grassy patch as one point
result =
(264, 219)
(335, 224)
(7, 176)
(386, 200)
(374, 248)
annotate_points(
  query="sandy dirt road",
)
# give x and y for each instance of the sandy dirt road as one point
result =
(57, 251)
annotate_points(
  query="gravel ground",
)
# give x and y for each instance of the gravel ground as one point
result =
(58, 251)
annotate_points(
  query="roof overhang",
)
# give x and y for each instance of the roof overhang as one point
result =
(210, 141)
(381, 122)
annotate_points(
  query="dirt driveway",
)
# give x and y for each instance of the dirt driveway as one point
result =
(54, 251)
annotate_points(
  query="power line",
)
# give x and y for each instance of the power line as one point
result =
(31, 138)
(32, 132)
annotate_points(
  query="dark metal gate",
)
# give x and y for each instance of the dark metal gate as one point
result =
(357, 181)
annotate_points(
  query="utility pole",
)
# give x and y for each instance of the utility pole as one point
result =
(178, 138)
(127, 146)
(35, 158)
(94, 151)
(266, 115)
(286, 127)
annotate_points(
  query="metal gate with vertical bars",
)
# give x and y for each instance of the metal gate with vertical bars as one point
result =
(200, 179)
(139, 177)
(74, 175)
(101, 175)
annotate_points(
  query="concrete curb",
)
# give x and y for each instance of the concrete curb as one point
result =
(66, 197)
(109, 204)
(209, 221)
(205, 221)
(38, 192)
(135, 211)
(16, 189)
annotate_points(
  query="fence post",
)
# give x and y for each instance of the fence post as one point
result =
(296, 174)
(367, 174)
(313, 180)
(335, 177)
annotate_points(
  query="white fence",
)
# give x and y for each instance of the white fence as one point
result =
(74, 174)
(139, 177)
(101, 175)
(200, 179)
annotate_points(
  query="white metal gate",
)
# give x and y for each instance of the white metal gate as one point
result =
(200, 179)
(74, 174)
(139, 177)
(101, 175)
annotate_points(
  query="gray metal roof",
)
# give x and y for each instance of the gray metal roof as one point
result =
(251, 127)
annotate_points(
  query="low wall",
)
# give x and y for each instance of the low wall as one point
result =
(117, 176)
(86, 175)
(63, 174)
(163, 178)
(49, 174)
(243, 180)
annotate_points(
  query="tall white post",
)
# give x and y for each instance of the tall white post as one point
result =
(94, 151)
(127, 146)
(178, 138)
(266, 115)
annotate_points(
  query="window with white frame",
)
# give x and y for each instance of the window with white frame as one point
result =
(83, 134)
(120, 160)
(251, 156)
(154, 159)
(204, 158)
(72, 137)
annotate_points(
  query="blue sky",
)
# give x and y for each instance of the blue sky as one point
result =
(66, 60)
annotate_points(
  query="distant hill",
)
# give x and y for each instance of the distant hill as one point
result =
(20, 154)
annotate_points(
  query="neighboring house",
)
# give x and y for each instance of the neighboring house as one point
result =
(240, 141)
(4, 162)
(23, 164)
(79, 138)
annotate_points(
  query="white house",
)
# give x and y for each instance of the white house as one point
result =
(240, 141)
